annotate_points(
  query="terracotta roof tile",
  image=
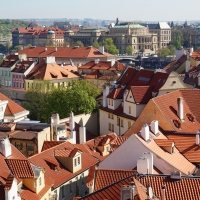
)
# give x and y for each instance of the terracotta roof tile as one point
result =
(9, 61)
(61, 175)
(49, 71)
(164, 142)
(141, 94)
(12, 107)
(9, 182)
(167, 104)
(64, 52)
(22, 66)
(20, 168)
(24, 135)
(186, 144)
(186, 188)
(50, 144)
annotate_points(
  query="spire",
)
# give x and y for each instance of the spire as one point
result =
(117, 21)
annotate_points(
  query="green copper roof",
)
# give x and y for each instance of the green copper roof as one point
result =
(50, 32)
(130, 26)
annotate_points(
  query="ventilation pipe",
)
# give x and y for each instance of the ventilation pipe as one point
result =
(180, 111)
(149, 156)
(101, 49)
(197, 138)
(124, 100)
(154, 126)
(82, 134)
(105, 94)
(163, 193)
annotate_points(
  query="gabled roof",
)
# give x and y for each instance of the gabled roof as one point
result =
(12, 108)
(49, 71)
(61, 174)
(64, 52)
(141, 94)
(20, 168)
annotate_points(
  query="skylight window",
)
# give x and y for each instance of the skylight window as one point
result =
(143, 79)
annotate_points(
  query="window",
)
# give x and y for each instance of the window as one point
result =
(108, 115)
(109, 126)
(129, 124)
(63, 191)
(79, 161)
(108, 148)
(75, 162)
(129, 109)
(122, 123)
(112, 127)
(82, 179)
(40, 181)
(30, 150)
(108, 101)
(19, 146)
(70, 186)
(111, 102)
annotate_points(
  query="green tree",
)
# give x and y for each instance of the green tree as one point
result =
(79, 43)
(17, 48)
(129, 50)
(8, 46)
(79, 97)
(109, 46)
(29, 45)
(164, 52)
(177, 38)
(95, 44)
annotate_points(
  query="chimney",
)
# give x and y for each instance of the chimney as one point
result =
(187, 66)
(55, 119)
(56, 49)
(5, 147)
(105, 94)
(180, 111)
(197, 138)
(82, 134)
(163, 193)
(112, 62)
(45, 49)
(124, 101)
(101, 49)
(71, 122)
(143, 165)
(145, 132)
(128, 191)
(96, 61)
(149, 156)
(154, 126)
(191, 50)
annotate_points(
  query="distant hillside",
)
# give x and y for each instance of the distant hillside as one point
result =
(6, 26)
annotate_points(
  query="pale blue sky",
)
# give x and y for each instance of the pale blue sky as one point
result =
(145, 10)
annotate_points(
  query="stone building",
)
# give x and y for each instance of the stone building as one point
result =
(38, 36)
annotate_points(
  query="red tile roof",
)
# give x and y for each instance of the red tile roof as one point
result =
(20, 168)
(22, 66)
(64, 52)
(186, 188)
(61, 175)
(186, 144)
(167, 104)
(50, 144)
(9, 61)
(141, 94)
(9, 182)
(12, 108)
(24, 135)
(50, 71)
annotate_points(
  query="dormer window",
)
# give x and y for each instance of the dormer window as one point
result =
(40, 181)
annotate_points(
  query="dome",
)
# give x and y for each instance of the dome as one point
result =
(69, 31)
(96, 31)
(50, 32)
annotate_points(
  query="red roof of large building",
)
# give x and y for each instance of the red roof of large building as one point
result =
(9, 61)
(64, 52)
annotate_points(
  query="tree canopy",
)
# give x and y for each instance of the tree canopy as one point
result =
(95, 44)
(6, 26)
(41, 100)
(79, 43)
(129, 50)
(110, 47)
(169, 50)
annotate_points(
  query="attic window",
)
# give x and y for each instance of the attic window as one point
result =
(190, 117)
(53, 75)
(177, 123)
(143, 79)
(64, 74)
